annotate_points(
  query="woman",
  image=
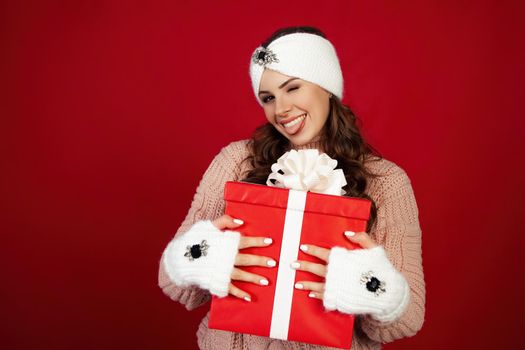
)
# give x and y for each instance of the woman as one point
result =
(297, 80)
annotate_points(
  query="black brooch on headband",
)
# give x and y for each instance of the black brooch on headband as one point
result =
(263, 56)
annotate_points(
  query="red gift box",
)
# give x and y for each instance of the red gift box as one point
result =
(290, 218)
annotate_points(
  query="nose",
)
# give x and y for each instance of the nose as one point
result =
(282, 107)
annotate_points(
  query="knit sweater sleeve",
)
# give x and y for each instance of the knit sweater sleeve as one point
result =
(207, 204)
(399, 232)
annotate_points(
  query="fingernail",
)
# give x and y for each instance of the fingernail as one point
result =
(311, 295)
(238, 221)
(349, 233)
(304, 247)
(248, 299)
(295, 265)
(264, 282)
(268, 241)
(299, 286)
(271, 263)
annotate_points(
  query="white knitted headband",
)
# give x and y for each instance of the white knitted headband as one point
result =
(302, 55)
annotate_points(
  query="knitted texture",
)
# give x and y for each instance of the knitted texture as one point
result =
(306, 56)
(345, 292)
(396, 229)
(214, 253)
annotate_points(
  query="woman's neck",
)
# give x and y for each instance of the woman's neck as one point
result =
(312, 144)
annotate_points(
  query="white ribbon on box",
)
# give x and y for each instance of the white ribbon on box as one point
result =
(307, 170)
(300, 171)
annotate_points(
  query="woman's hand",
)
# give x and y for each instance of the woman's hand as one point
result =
(317, 288)
(227, 222)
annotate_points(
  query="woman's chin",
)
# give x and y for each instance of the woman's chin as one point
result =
(301, 138)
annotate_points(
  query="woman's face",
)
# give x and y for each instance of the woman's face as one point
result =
(297, 109)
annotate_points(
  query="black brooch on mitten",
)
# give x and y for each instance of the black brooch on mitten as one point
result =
(372, 283)
(197, 250)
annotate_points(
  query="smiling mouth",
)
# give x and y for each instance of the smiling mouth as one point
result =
(294, 122)
(295, 125)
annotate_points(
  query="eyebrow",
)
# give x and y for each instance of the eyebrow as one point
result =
(280, 86)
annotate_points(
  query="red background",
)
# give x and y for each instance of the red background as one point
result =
(110, 113)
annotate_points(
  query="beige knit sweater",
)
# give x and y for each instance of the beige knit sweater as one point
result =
(396, 229)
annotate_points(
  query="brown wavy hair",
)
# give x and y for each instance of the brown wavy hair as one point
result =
(340, 139)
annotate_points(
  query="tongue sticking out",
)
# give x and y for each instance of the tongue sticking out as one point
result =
(294, 129)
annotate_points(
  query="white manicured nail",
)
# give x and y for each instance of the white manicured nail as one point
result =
(295, 265)
(311, 295)
(264, 282)
(268, 241)
(247, 298)
(238, 221)
(299, 286)
(271, 263)
(304, 247)
(349, 233)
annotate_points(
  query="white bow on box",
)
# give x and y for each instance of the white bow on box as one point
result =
(307, 170)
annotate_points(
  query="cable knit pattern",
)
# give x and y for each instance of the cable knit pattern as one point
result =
(396, 229)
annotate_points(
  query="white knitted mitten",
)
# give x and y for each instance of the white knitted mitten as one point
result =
(364, 281)
(202, 256)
